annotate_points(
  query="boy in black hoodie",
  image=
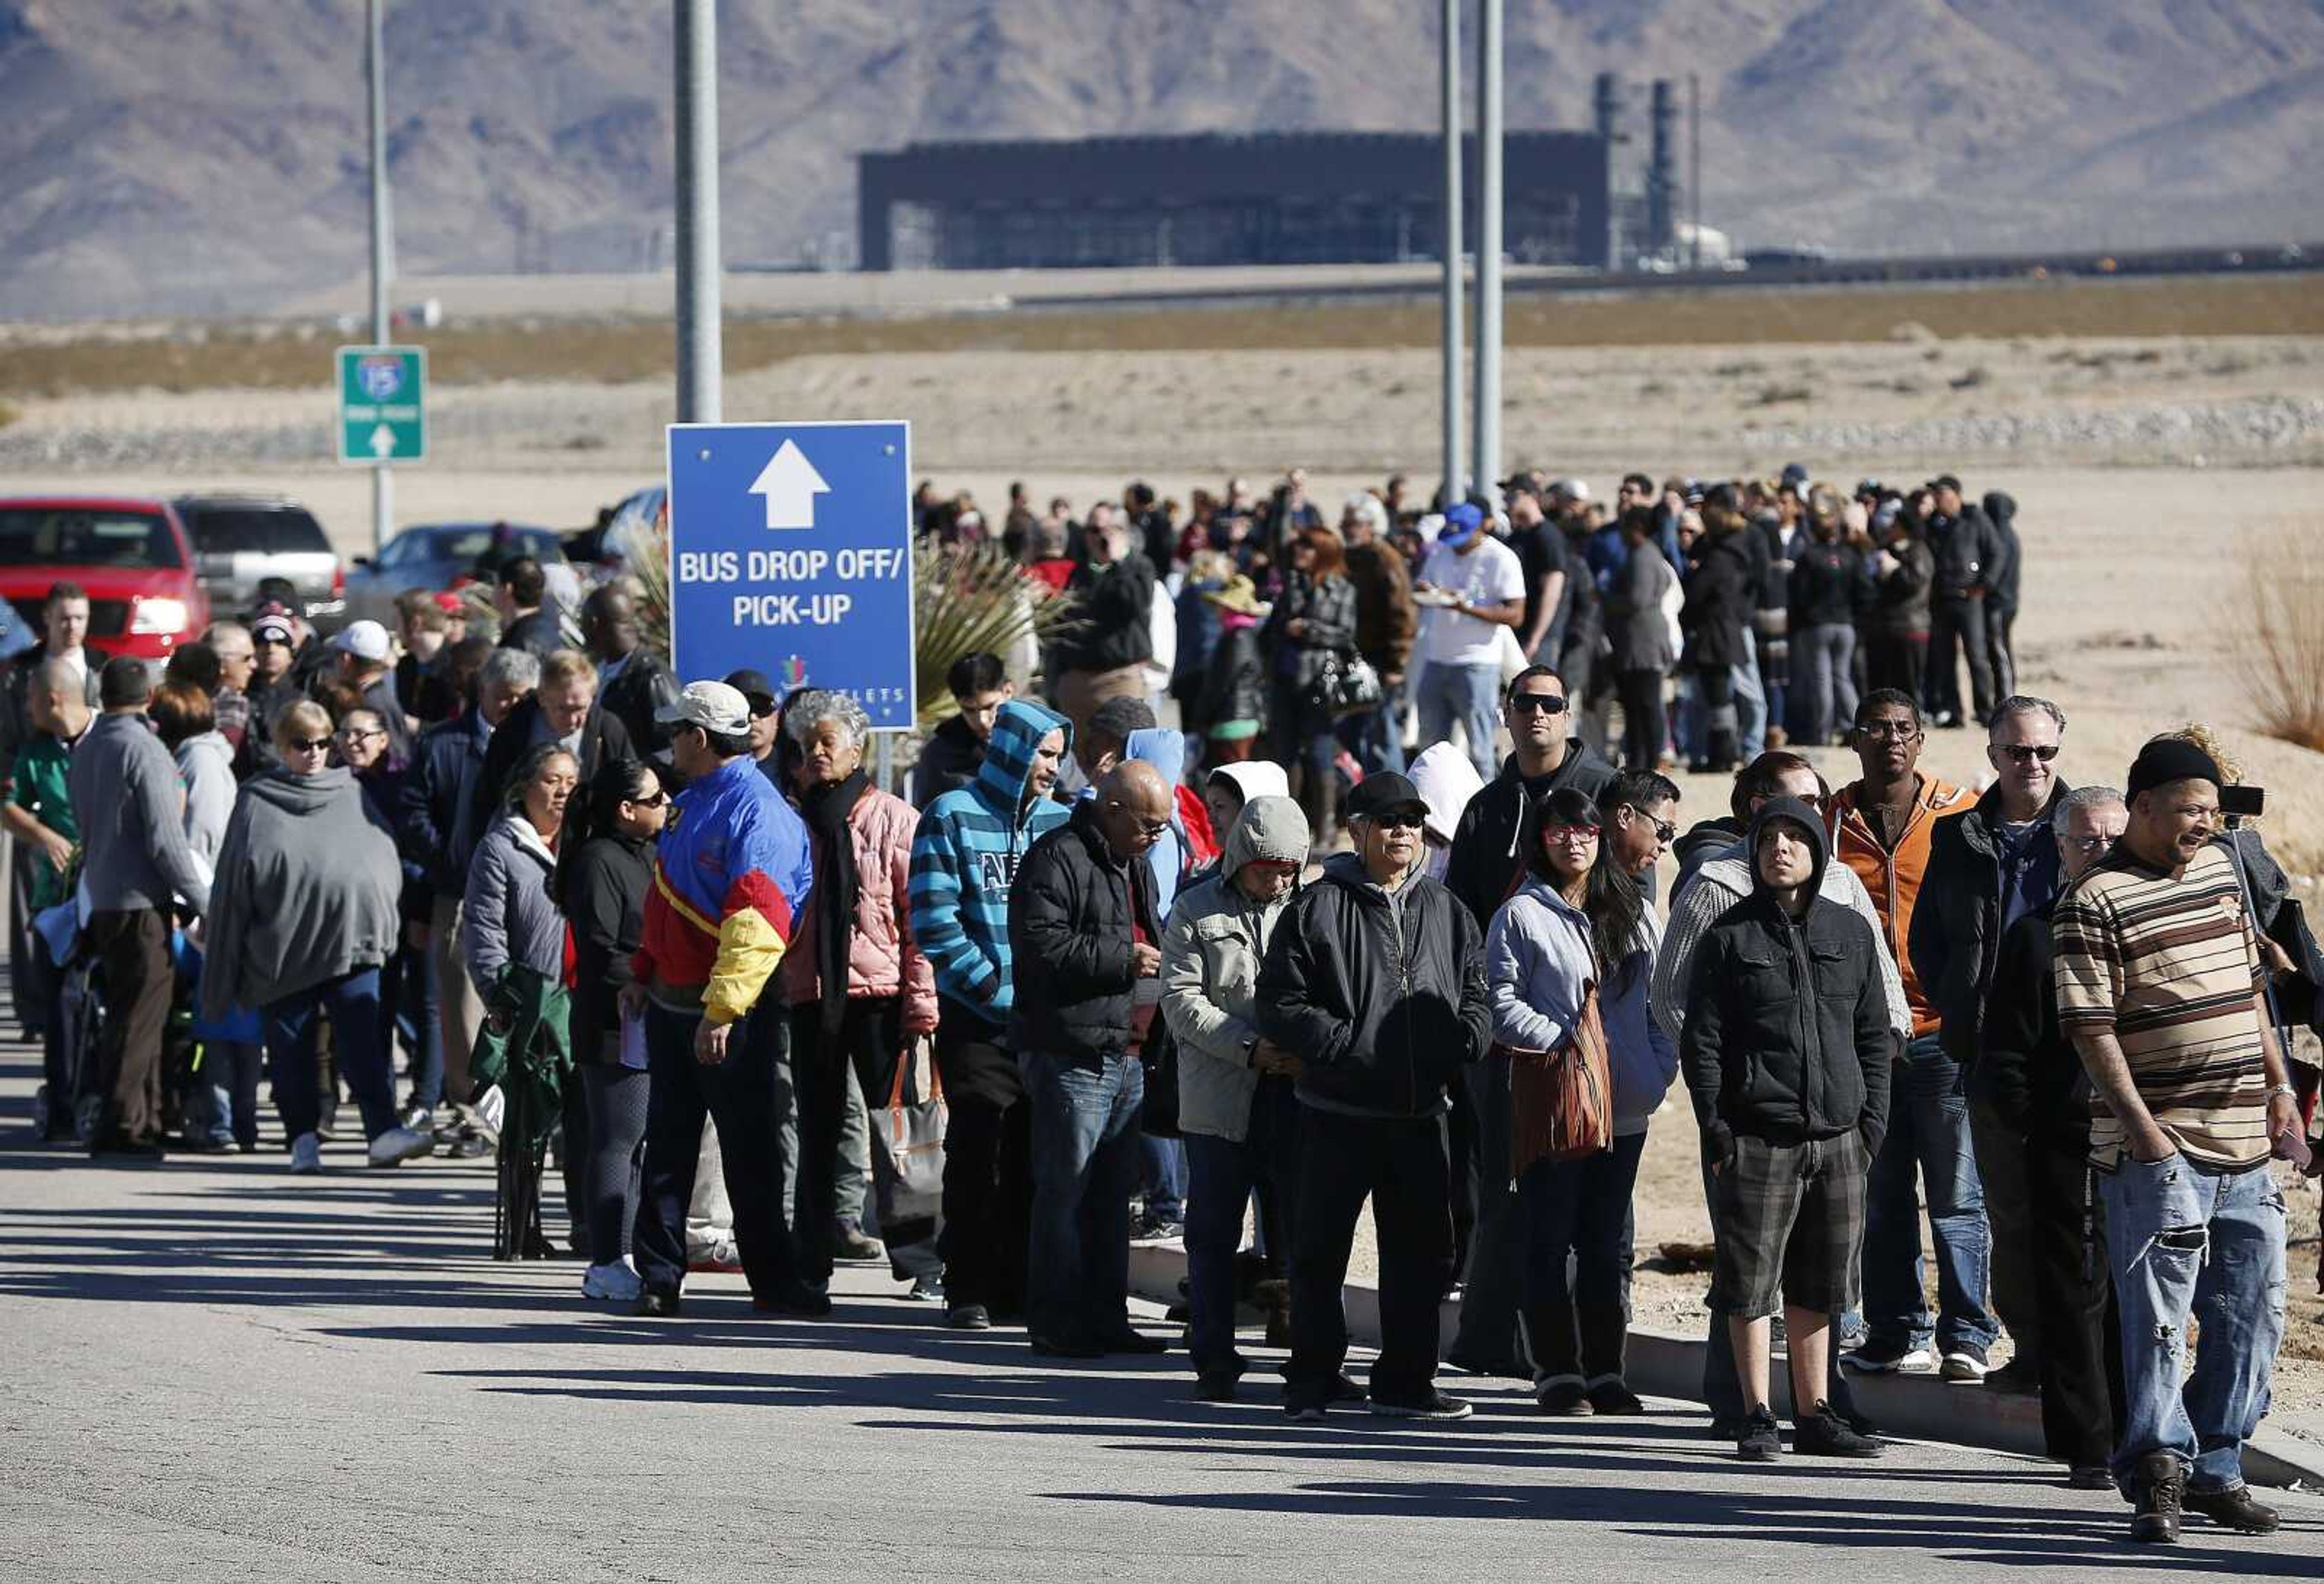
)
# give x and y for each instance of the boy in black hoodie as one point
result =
(1786, 1052)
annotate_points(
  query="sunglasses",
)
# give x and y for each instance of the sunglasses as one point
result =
(309, 744)
(1537, 704)
(2022, 752)
(1665, 832)
(1400, 822)
(656, 801)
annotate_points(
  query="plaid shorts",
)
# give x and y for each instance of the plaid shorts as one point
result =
(1790, 1226)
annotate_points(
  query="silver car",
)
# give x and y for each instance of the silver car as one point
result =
(433, 555)
(241, 541)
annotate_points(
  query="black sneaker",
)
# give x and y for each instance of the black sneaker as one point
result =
(2162, 1492)
(1823, 1433)
(795, 1299)
(2233, 1509)
(1881, 1356)
(1344, 1389)
(1215, 1388)
(657, 1305)
(2089, 1477)
(1049, 1347)
(1613, 1397)
(1432, 1404)
(1963, 1362)
(1564, 1399)
(1761, 1442)
(1303, 1410)
(969, 1317)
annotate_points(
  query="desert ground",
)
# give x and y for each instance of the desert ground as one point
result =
(2154, 436)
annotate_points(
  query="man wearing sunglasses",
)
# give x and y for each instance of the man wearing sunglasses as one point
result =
(1489, 849)
(1375, 980)
(1999, 862)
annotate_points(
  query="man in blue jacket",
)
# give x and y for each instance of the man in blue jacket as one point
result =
(965, 860)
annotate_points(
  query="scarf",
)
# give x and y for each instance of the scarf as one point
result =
(826, 808)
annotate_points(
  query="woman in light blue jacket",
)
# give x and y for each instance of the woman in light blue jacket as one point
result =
(1580, 919)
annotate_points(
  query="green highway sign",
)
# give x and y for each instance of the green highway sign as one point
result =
(382, 404)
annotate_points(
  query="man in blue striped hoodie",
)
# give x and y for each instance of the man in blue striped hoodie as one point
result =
(964, 859)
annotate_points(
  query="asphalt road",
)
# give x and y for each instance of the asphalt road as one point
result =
(215, 1370)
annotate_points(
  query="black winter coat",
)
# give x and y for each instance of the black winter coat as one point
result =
(1071, 915)
(1491, 841)
(2030, 1073)
(2002, 512)
(644, 684)
(603, 893)
(1957, 918)
(603, 738)
(1234, 688)
(1967, 551)
(949, 761)
(1900, 600)
(1326, 608)
(1383, 1000)
(1113, 626)
(1826, 586)
(1720, 600)
(540, 632)
(1786, 1035)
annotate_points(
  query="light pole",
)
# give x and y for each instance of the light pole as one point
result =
(383, 482)
(699, 357)
(1485, 471)
(1453, 479)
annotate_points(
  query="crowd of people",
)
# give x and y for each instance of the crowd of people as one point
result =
(1226, 980)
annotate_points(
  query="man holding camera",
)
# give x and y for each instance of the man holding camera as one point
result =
(2162, 989)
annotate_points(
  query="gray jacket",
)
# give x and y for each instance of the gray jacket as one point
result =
(125, 794)
(1211, 953)
(205, 766)
(1538, 962)
(509, 916)
(307, 889)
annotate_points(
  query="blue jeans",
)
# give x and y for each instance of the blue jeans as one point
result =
(1823, 681)
(1375, 737)
(412, 989)
(230, 1075)
(357, 1048)
(1928, 1140)
(1085, 1128)
(2185, 1238)
(1750, 705)
(1470, 694)
(1162, 1177)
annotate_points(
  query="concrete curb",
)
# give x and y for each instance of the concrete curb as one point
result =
(1662, 1365)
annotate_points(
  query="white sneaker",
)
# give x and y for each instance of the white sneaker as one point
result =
(399, 1144)
(616, 1282)
(306, 1155)
(491, 1108)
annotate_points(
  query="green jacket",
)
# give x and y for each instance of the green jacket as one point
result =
(526, 1047)
(39, 789)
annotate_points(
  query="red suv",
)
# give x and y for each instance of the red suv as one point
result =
(132, 557)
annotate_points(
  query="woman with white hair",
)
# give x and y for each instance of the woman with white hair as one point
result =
(858, 989)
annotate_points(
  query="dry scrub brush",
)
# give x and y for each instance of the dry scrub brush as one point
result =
(2274, 616)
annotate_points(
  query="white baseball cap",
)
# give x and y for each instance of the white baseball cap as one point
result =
(712, 705)
(366, 641)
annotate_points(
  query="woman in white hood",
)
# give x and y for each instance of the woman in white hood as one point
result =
(1226, 789)
(1447, 779)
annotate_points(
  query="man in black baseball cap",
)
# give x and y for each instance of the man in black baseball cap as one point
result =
(766, 717)
(1375, 982)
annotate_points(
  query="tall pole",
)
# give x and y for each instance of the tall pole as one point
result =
(699, 357)
(382, 481)
(1487, 468)
(1453, 479)
(1694, 165)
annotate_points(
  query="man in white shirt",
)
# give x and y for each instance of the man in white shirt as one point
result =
(1473, 584)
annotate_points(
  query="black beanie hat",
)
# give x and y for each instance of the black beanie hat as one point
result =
(2171, 759)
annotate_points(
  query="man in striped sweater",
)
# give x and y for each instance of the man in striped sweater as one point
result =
(964, 859)
(2162, 989)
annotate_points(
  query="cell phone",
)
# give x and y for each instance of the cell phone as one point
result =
(2243, 802)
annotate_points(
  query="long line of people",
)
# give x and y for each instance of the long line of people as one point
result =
(680, 929)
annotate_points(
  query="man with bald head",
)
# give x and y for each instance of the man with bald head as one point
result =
(1086, 949)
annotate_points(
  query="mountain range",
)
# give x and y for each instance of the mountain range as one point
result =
(208, 156)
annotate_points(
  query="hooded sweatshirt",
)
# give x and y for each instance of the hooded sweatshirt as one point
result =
(1787, 1036)
(1212, 950)
(964, 859)
(1489, 844)
(1447, 777)
(206, 763)
(1718, 885)
(1256, 778)
(307, 887)
(1539, 963)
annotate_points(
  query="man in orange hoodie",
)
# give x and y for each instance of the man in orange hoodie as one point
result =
(1880, 827)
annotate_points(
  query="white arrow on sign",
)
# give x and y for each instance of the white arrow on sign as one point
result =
(789, 485)
(383, 441)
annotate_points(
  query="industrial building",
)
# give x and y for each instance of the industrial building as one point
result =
(1268, 199)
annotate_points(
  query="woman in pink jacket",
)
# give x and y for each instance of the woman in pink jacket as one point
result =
(858, 989)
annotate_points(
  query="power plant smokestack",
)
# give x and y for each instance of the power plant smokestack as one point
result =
(1662, 168)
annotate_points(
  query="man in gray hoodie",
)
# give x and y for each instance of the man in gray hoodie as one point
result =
(134, 857)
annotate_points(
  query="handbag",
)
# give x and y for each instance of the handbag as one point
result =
(1158, 1113)
(1560, 1101)
(1346, 685)
(913, 1136)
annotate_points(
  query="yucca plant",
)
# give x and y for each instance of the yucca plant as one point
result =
(645, 553)
(975, 600)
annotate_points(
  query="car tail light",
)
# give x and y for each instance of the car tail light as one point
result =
(167, 617)
(339, 583)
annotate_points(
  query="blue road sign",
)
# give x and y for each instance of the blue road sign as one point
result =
(791, 554)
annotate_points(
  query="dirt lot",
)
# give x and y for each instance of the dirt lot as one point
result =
(2145, 430)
